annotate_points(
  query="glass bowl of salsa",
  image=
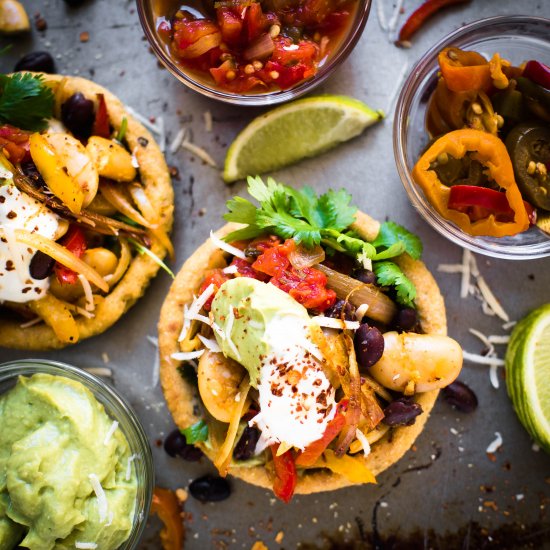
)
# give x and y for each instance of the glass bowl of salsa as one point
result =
(515, 38)
(252, 52)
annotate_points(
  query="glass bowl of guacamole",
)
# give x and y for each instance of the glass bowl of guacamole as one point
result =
(76, 469)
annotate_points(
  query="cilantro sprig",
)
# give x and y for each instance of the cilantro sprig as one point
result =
(312, 220)
(25, 101)
(196, 433)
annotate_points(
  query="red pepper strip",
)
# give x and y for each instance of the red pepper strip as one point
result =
(422, 14)
(285, 474)
(463, 197)
(166, 506)
(537, 72)
(75, 242)
(101, 122)
(312, 453)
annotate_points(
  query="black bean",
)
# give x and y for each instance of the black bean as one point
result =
(175, 444)
(247, 444)
(210, 488)
(369, 345)
(41, 62)
(365, 276)
(460, 396)
(31, 171)
(41, 265)
(401, 412)
(77, 113)
(405, 319)
(336, 311)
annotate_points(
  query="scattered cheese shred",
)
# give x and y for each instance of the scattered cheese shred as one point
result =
(88, 294)
(186, 324)
(230, 269)
(209, 343)
(84, 313)
(493, 376)
(331, 322)
(509, 325)
(110, 433)
(498, 339)
(99, 371)
(85, 545)
(129, 467)
(187, 355)
(193, 311)
(450, 268)
(31, 323)
(101, 498)
(144, 120)
(381, 15)
(199, 152)
(208, 121)
(490, 298)
(495, 445)
(395, 16)
(226, 247)
(361, 311)
(482, 360)
(465, 281)
(178, 140)
(156, 367)
(363, 440)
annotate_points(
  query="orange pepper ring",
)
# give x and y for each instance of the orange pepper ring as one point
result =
(492, 153)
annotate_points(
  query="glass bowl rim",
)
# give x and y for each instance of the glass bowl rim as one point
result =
(442, 226)
(258, 100)
(137, 440)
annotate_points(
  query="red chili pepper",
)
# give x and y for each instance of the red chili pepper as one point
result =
(310, 455)
(422, 14)
(101, 122)
(285, 474)
(74, 241)
(537, 72)
(480, 202)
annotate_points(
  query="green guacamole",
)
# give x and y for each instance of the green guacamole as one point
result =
(53, 437)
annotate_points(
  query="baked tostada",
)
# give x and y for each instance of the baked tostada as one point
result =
(303, 345)
(86, 204)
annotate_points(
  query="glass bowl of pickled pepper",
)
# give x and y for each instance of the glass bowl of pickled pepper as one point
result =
(472, 137)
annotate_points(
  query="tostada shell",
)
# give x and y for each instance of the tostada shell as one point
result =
(183, 399)
(155, 178)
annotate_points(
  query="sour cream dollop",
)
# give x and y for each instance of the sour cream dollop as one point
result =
(19, 211)
(269, 333)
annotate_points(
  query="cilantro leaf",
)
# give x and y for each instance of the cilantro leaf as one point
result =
(25, 101)
(335, 209)
(196, 433)
(391, 233)
(240, 210)
(390, 274)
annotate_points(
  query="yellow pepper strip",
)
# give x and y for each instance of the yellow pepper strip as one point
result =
(57, 315)
(500, 80)
(352, 468)
(165, 504)
(224, 456)
(55, 174)
(490, 151)
(61, 255)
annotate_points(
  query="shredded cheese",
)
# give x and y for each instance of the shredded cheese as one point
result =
(509, 325)
(450, 268)
(361, 311)
(101, 498)
(84, 313)
(217, 329)
(230, 270)
(186, 324)
(187, 355)
(193, 311)
(226, 247)
(129, 467)
(493, 377)
(210, 344)
(199, 152)
(482, 360)
(381, 15)
(498, 339)
(490, 298)
(363, 440)
(135, 162)
(31, 323)
(156, 367)
(88, 294)
(85, 545)
(495, 445)
(465, 281)
(99, 371)
(331, 322)
(144, 120)
(208, 121)
(484, 339)
(395, 16)
(178, 140)
(110, 433)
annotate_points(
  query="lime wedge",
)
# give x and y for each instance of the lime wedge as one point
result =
(287, 134)
(528, 373)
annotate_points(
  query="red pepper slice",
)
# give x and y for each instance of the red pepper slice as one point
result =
(480, 202)
(422, 14)
(537, 72)
(165, 504)
(101, 122)
(285, 474)
(313, 451)
(74, 241)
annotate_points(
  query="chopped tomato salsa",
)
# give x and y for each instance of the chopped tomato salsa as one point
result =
(248, 45)
(306, 285)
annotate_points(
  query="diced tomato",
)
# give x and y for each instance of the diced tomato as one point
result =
(310, 455)
(14, 143)
(101, 123)
(274, 261)
(188, 32)
(286, 478)
(216, 277)
(231, 26)
(74, 241)
(256, 23)
(245, 269)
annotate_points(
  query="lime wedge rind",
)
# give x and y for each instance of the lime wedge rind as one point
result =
(528, 374)
(304, 128)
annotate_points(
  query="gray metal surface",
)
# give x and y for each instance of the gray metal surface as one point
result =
(447, 484)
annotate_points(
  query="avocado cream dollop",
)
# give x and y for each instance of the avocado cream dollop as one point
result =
(56, 443)
(270, 334)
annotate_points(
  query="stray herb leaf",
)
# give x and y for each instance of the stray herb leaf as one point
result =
(144, 250)
(196, 433)
(391, 234)
(390, 274)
